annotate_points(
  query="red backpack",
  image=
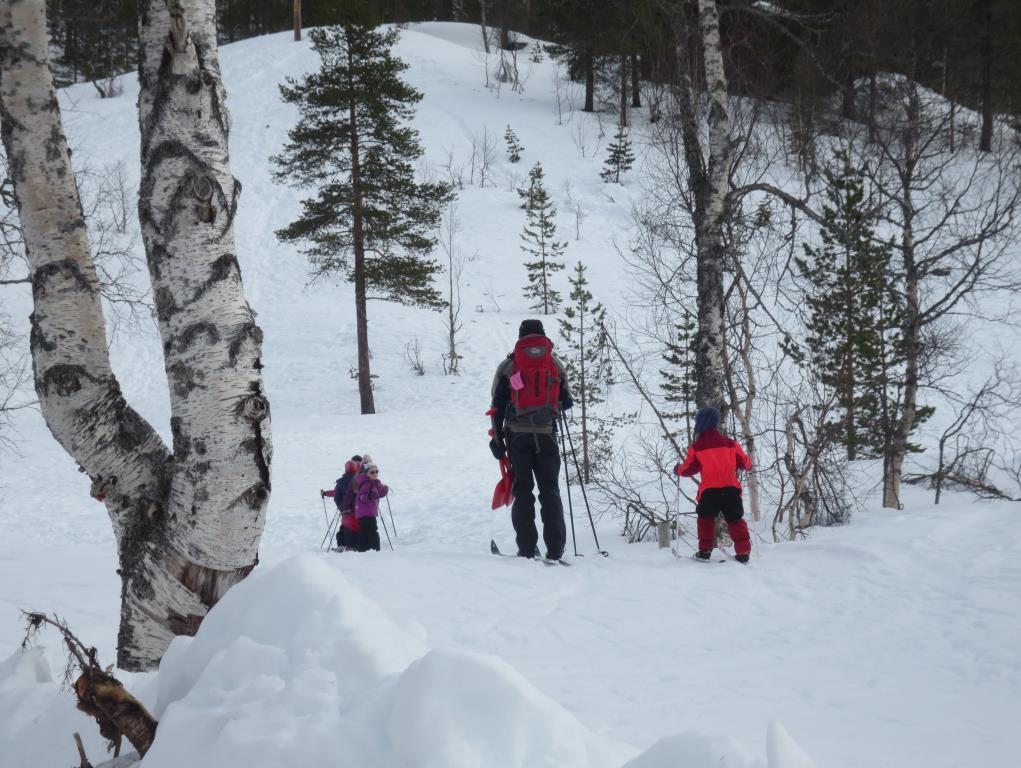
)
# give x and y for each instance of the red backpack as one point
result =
(535, 381)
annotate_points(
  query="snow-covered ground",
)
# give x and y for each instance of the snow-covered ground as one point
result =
(888, 642)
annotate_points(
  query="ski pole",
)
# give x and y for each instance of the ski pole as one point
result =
(584, 495)
(677, 506)
(390, 510)
(567, 480)
(387, 533)
(328, 524)
(329, 528)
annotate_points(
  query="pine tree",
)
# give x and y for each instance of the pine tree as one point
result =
(854, 312)
(370, 221)
(538, 242)
(589, 370)
(679, 377)
(621, 158)
(514, 148)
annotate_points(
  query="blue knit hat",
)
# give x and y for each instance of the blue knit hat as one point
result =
(706, 418)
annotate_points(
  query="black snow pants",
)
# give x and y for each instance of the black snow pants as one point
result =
(537, 455)
(368, 534)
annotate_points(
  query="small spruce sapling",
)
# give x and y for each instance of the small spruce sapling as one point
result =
(514, 148)
(621, 158)
(678, 383)
(538, 242)
(586, 356)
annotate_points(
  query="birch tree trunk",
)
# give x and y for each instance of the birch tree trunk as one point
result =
(893, 464)
(709, 181)
(187, 524)
(212, 345)
(897, 448)
(711, 250)
(744, 408)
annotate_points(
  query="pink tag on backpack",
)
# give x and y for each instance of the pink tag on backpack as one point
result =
(516, 382)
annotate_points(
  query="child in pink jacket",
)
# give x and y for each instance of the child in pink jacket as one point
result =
(367, 495)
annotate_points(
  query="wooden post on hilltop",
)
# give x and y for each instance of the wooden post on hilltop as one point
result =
(297, 20)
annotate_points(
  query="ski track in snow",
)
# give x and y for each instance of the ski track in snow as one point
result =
(889, 642)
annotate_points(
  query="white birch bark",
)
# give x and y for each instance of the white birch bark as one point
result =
(711, 251)
(893, 460)
(211, 343)
(188, 524)
(709, 180)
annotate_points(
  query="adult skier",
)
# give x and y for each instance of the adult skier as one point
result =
(716, 458)
(529, 393)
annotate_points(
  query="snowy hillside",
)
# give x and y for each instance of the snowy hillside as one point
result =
(888, 642)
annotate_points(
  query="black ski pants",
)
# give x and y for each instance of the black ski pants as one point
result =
(368, 534)
(728, 501)
(536, 461)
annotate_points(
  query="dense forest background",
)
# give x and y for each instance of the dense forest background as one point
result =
(803, 52)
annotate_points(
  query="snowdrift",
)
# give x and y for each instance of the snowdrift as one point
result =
(296, 666)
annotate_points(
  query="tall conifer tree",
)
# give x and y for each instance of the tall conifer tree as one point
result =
(539, 243)
(854, 313)
(370, 220)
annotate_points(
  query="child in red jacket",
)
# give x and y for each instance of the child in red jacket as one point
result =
(717, 458)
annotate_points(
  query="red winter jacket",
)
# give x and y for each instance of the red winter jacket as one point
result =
(718, 458)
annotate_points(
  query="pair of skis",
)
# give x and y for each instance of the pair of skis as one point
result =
(718, 556)
(496, 551)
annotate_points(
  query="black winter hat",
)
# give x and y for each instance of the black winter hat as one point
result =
(531, 326)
